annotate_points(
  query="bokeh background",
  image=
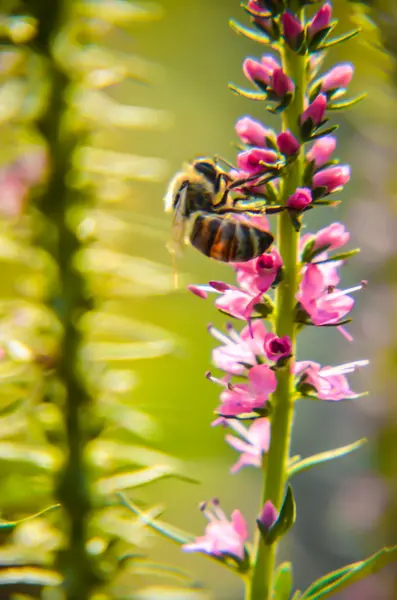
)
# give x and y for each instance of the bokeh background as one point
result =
(144, 95)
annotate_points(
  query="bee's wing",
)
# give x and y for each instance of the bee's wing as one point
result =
(178, 225)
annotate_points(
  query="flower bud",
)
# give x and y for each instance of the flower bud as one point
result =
(321, 150)
(281, 83)
(332, 237)
(293, 29)
(338, 77)
(321, 20)
(301, 198)
(315, 110)
(332, 178)
(252, 132)
(277, 348)
(268, 516)
(250, 160)
(256, 71)
(287, 143)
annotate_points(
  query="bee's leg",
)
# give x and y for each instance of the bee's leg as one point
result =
(259, 178)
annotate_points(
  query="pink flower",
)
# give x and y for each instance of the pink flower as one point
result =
(252, 443)
(338, 77)
(323, 305)
(252, 132)
(242, 398)
(333, 178)
(261, 71)
(281, 83)
(221, 535)
(301, 198)
(250, 161)
(269, 515)
(292, 29)
(256, 276)
(321, 150)
(316, 110)
(321, 20)
(238, 350)
(237, 304)
(287, 143)
(277, 348)
(331, 238)
(329, 383)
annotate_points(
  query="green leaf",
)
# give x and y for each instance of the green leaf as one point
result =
(251, 34)
(283, 585)
(345, 103)
(257, 96)
(144, 567)
(9, 525)
(285, 519)
(340, 39)
(138, 478)
(316, 459)
(297, 595)
(30, 576)
(327, 586)
(340, 256)
(320, 36)
(168, 531)
(324, 132)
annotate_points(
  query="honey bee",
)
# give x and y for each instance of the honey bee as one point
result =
(208, 216)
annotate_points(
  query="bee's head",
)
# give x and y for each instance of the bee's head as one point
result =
(208, 169)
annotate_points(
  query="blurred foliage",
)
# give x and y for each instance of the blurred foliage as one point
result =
(67, 129)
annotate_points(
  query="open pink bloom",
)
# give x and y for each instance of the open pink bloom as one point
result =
(232, 300)
(332, 237)
(323, 305)
(321, 150)
(301, 198)
(316, 110)
(238, 350)
(287, 143)
(292, 28)
(242, 398)
(251, 161)
(320, 21)
(221, 535)
(276, 348)
(338, 77)
(332, 179)
(281, 83)
(329, 383)
(262, 70)
(252, 443)
(269, 515)
(256, 276)
(252, 132)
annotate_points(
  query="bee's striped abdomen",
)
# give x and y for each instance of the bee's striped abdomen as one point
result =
(227, 239)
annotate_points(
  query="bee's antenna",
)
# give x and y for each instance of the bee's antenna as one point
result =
(218, 159)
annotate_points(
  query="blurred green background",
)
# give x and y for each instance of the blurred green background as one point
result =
(346, 509)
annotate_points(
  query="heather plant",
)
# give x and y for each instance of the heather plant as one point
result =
(277, 295)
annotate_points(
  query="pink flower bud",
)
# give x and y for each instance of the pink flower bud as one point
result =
(332, 237)
(321, 150)
(287, 143)
(256, 71)
(315, 110)
(252, 132)
(338, 77)
(292, 29)
(332, 178)
(268, 516)
(281, 83)
(276, 348)
(250, 160)
(301, 198)
(320, 21)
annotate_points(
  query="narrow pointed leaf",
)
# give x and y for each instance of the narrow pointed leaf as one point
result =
(324, 132)
(164, 529)
(297, 595)
(340, 39)
(143, 567)
(345, 103)
(258, 96)
(137, 478)
(335, 582)
(251, 34)
(285, 519)
(316, 459)
(341, 256)
(7, 525)
(283, 585)
(29, 576)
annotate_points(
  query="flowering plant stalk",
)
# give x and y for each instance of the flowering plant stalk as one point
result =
(292, 286)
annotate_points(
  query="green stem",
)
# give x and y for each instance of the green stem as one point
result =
(69, 303)
(275, 473)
